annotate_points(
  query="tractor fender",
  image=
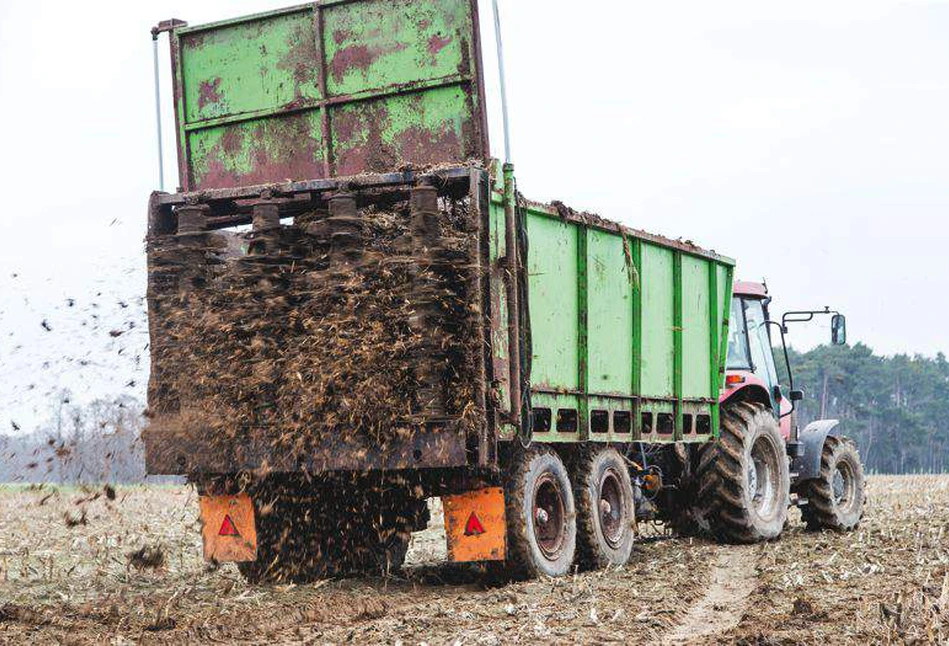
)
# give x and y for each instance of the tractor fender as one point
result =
(812, 438)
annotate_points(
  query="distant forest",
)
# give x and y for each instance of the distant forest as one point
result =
(896, 408)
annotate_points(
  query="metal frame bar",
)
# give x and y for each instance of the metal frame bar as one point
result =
(713, 345)
(677, 340)
(637, 302)
(583, 332)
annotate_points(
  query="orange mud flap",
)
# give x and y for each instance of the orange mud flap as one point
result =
(475, 526)
(228, 528)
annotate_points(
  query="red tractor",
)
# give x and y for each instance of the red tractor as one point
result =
(763, 462)
(740, 487)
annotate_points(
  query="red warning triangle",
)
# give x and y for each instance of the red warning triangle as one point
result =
(228, 528)
(474, 527)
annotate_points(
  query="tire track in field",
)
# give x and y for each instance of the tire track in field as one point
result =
(732, 580)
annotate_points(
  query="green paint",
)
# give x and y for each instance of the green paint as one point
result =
(677, 322)
(583, 330)
(636, 368)
(696, 347)
(370, 44)
(249, 66)
(610, 314)
(554, 301)
(657, 322)
(386, 88)
(622, 325)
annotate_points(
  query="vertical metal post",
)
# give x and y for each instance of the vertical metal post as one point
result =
(161, 156)
(507, 128)
(513, 269)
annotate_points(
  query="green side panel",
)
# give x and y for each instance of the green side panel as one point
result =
(376, 135)
(610, 315)
(554, 302)
(379, 43)
(388, 82)
(696, 342)
(249, 66)
(658, 305)
(249, 152)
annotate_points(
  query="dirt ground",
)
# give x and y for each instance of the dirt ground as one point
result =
(66, 576)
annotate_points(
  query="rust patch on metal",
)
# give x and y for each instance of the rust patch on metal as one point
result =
(300, 59)
(209, 93)
(291, 153)
(437, 43)
(359, 57)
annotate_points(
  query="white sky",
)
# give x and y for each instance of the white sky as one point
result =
(809, 140)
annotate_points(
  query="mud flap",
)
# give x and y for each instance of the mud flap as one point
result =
(475, 526)
(228, 528)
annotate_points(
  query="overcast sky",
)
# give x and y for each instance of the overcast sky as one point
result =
(809, 140)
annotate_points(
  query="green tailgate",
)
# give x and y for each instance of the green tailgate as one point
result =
(333, 88)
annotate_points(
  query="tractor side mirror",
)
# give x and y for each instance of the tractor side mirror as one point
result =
(796, 395)
(838, 329)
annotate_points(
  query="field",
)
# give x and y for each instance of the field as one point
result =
(72, 571)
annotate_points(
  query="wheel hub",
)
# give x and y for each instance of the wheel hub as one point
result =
(763, 474)
(611, 509)
(550, 516)
(843, 485)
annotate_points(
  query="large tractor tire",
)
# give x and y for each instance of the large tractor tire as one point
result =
(743, 477)
(541, 515)
(835, 499)
(606, 513)
(307, 538)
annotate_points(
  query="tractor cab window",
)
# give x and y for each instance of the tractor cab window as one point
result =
(759, 342)
(738, 353)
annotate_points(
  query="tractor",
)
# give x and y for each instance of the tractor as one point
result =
(743, 484)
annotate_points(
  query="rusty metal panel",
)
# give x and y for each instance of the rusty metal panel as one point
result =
(333, 88)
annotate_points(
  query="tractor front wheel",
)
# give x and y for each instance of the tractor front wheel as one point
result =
(835, 499)
(743, 477)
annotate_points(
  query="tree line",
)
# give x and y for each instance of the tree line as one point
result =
(896, 408)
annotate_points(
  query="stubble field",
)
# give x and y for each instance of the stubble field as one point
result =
(77, 568)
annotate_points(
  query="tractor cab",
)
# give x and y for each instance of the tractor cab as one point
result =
(751, 371)
(750, 363)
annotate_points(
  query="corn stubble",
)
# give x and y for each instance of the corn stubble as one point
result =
(886, 583)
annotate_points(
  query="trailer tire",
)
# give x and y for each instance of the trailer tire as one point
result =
(836, 498)
(606, 513)
(744, 478)
(541, 515)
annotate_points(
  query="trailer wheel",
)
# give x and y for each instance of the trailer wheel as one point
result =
(743, 477)
(835, 499)
(605, 509)
(541, 515)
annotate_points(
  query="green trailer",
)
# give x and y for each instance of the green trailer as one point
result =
(563, 371)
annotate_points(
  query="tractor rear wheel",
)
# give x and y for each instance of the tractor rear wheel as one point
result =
(835, 499)
(541, 515)
(605, 509)
(743, 477)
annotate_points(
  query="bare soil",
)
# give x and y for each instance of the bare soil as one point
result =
(129, 570)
